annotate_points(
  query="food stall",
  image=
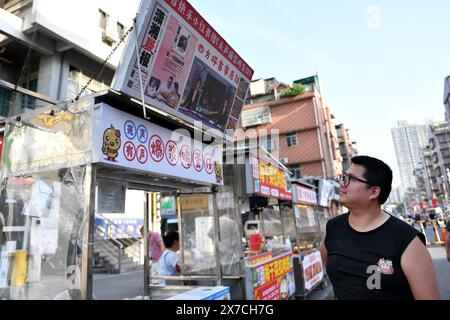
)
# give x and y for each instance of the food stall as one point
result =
(53, 161)
(261, 188)
(178, 89)
(308, 267)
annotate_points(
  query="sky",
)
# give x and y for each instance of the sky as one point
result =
(378, 61)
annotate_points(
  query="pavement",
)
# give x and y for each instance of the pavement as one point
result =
(442, 267)
(118, 286)
(130, 285)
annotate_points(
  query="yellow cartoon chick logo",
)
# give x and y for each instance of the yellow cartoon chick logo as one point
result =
(111, 143)
(218, 171)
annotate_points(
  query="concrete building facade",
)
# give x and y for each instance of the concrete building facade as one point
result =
(54, 47)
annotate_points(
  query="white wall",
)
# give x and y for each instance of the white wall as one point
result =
(77, 22)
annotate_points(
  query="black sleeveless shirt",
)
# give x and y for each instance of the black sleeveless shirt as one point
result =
(356, 258)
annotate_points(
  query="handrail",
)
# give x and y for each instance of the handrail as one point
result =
(119, 249)
(135, 252)
(116, 225)
(112, 239)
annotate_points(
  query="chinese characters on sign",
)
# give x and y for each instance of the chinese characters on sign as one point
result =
(269, 180)
(148, 147)
(304, 195)
(273, 279)
(312, 269)
(187, 68)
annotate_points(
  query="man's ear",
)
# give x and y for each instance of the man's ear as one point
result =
(375, 192)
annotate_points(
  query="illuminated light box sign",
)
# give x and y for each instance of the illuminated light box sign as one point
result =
(124, 140)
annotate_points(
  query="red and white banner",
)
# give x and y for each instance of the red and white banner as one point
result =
(303, 195)
(312, 269)
(187, 68)
(128, 141)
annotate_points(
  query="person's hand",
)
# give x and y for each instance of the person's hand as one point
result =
(186, 267)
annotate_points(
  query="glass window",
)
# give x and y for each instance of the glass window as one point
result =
(305, 218)
(256, 116)
(291, 140)
(287, 214)
(272, 221)
(230, 241)
(44, 235)
(197, 234)
(296, 171)
(103, 19)
(307, 226)
(120, 30)
(5, 98)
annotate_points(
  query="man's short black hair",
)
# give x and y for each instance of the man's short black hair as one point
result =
(377, 173)
(170, 238)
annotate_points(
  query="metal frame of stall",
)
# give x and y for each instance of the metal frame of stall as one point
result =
(307, 198)
(238, 164)
(57, 140)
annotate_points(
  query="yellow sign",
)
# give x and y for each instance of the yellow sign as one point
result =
(194, 202)
(19, 272)
(277, 268)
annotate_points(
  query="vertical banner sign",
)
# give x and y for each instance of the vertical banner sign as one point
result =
(188, 69)
(312, 269)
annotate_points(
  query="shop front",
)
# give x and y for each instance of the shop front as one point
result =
(55, 161)
(309, 270)
(261, 188)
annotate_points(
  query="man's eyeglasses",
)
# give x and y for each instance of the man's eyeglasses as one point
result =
(345, 179)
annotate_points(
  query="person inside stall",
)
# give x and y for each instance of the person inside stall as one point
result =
(169, 262)
(229, 242)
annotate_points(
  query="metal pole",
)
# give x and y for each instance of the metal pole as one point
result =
(146, 258)
(87, 268)
(282, 222)
(119, 256)
(214, 191)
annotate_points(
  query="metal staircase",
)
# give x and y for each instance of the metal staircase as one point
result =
(116, 255)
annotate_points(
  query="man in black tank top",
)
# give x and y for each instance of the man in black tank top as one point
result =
(369, 254)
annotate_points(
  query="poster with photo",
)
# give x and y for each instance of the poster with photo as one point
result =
(187, 69)
(207, 96)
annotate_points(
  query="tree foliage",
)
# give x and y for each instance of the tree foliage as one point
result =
(293, 91)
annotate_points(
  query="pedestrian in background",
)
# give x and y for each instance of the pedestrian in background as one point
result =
(447, 243)
(370, 254)
(155, 244)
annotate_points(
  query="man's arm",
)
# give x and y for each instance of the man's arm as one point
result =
(162, 246)
(419, 270)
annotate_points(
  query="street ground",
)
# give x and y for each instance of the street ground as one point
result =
(442, 267)
(130, 285)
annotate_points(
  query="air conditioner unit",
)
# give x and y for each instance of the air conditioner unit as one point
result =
(110, 33)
